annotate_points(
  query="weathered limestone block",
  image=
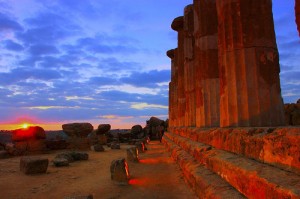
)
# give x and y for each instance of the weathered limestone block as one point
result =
(32, 132)
(278, 147)
(250, 92)
(97, 148)
(33, 165)
(189, 71)
(103, 128)
(65, 155)
(73, 156)
(204, 182)
(60, 162)
(206, 64)
(119, 171)
(253, 179)
(141, 147)
(178, 25)
(133, 154)
(77, 129)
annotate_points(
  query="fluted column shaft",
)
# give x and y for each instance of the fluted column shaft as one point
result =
(206, 64)
(177, 25)
(172, 87)
(249, 64)
(189, 80)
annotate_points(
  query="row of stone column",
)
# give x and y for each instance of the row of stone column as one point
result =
(225, 69)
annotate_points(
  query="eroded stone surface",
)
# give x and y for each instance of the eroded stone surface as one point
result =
(253, 179)
(33, 165)
(77, 129)
(103, 128)
(249, 65)
(32, 132)
(119, 171)
(133, 154)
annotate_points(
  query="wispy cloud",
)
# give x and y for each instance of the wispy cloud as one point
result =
(141, 106)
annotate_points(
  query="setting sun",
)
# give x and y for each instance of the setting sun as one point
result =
(25, 126)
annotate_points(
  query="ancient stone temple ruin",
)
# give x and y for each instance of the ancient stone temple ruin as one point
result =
(226, 114)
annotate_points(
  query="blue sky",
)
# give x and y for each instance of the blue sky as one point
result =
(103, 61)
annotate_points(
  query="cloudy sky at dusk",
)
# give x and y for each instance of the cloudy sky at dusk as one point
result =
(103, 61)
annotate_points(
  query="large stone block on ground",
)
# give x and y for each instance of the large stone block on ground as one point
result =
(32, 132)
(140, 146)
(77, 129)
(119, 171)
(133, 154)
(33, 165)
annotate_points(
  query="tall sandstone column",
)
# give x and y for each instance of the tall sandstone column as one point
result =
(172, 87)
(177, 25)
(249, 64)
(206, 64)
(189, 81)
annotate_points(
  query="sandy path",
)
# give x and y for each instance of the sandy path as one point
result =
(156, 176)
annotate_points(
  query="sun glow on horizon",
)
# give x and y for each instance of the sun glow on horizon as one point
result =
(25, 126)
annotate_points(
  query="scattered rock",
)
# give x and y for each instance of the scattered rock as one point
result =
(132, 154)
(141, 147)
(97, 148)
(136, 129)
(32, 132)
(60, 162)
(119, 171)
(33, 165)
(65, 155)
(77, 129)
(103, 128)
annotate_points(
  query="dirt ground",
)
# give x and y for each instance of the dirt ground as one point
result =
(156, 176)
